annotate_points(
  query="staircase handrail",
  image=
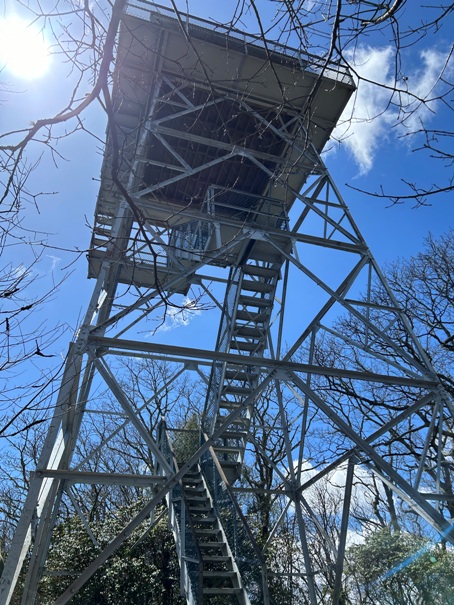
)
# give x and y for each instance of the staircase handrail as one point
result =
(222, 344)
(184, 519)
(261, 559)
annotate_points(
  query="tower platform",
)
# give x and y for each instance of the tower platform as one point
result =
(205, 116)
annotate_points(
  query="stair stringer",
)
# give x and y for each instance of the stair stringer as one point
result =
(243, 595)
(185, 580)
(253, 284)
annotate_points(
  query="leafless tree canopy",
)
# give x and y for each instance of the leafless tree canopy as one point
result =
(84, 38)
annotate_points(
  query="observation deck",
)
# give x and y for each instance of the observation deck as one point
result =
(211, 124)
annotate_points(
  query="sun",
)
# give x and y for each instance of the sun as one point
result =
(24, 52)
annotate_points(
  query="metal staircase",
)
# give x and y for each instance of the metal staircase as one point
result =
(254, 287)
(244, 329)
(245, 321)
(221, 579)
(233, 203)
(206, 552)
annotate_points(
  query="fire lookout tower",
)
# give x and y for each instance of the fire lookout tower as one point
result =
(213, 189)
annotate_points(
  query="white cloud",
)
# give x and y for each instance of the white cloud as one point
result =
(20, 271)
(373, 114)
(55, 261)
(422, 82)
(179, 316)
(328, 492)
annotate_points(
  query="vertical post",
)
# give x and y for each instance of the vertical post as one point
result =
(40, 490)
(306, 554)
(343, 532)
(182, 548)
(439, 453)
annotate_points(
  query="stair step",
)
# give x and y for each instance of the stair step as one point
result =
(192, 480)
(211, 546)
(205, 533)
(256, 286)
(255, 301)
(190, 489)
(233, 465)
(219, 574)
(224, 591)
(252, 317)
(240, 345)
(194, 484)
(229, 405)
(260, 271)
(226, 449)
(191, 499)
(236, 374)
(233, 435)
(210, 559)
(203, 520)
(200, 509)
(249, 331)
(192, 476)
(231, 389)
(237, 423)
(235, 432)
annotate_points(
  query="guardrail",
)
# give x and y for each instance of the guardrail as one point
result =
(180, 522)
(248, 556)
(308, 62)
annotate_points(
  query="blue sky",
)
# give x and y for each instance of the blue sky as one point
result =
(373, 153)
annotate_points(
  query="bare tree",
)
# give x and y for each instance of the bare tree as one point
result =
(333, 32)
(84, 37)
(423, 285)
(107, 445)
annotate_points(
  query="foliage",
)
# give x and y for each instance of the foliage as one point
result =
(85, 36)
(187, 439)
(398, 568)
(144, 571)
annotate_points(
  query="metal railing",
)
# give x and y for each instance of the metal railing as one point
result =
(248, 556)
(191, 567)
(189, 241)
(144, 9)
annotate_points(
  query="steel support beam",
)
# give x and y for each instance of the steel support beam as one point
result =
(171, 234)
(178, 353)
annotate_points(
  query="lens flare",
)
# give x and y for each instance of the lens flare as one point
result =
(24, 52)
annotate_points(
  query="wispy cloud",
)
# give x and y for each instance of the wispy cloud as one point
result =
(19, 271)
(373, 115)
(55, 261)
(181, 316)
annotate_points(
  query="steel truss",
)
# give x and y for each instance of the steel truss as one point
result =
(233, 205)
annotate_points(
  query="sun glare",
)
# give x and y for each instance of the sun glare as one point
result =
(23, 49)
